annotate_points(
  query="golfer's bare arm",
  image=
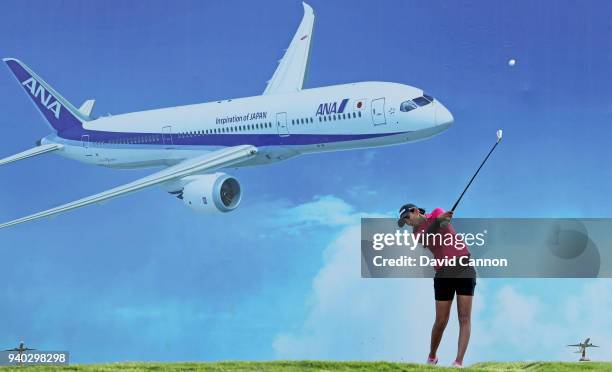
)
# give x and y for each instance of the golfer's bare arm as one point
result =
(435, 226)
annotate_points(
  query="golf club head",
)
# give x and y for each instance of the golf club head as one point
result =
(499, 135)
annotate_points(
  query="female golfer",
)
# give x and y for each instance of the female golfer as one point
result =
(448, 279)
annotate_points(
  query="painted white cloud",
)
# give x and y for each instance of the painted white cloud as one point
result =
(390, 319)
(355, 318)
(521, 326)
(323, 210)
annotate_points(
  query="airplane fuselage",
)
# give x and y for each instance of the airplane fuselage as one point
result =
(339, 117)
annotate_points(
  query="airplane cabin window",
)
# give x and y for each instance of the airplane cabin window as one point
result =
(354, 115)
(359, 114)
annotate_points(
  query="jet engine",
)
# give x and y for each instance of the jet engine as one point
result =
(215, 192)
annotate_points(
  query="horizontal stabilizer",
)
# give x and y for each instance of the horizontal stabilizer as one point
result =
(87, 107)
(38, 150)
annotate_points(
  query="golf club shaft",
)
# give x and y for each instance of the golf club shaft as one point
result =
(474, 176)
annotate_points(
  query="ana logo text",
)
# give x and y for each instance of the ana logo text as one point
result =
(46, 99)
(332, 107)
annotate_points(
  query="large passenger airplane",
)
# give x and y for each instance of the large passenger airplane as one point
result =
(194, 142)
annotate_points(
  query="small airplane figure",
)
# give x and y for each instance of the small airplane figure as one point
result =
(20, 349)
(583, 346)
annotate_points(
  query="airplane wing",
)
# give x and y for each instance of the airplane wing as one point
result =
(38, 150)
(575, 345)
(11, 350)
(293, 67)
(204, 163)
(593, 346)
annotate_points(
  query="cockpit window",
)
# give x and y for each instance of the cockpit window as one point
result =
(407, 106)
(421, 101)
(430, 98)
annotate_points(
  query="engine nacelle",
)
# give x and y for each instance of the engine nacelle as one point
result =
(215, 192)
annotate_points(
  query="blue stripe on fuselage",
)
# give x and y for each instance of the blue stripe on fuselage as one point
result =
(259, 140)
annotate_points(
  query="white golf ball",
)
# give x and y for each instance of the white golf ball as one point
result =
(512, 62)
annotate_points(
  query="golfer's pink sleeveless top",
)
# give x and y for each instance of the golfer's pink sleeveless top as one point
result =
(442, 250)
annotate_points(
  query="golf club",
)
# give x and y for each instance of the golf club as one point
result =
(499, 137)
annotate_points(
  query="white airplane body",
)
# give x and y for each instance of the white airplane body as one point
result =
(167, 136)
(194, 141)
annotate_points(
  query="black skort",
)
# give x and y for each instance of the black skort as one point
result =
(449, 280)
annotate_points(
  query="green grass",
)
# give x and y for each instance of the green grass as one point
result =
(320, 366)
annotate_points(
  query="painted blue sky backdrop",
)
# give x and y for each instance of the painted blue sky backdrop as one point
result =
(144, 278)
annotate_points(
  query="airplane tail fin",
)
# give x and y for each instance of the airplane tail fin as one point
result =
(59, 113)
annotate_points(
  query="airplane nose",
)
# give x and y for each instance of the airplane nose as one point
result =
(443, 116)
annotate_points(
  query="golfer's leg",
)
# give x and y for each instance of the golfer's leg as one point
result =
(464, 312)
(442, 313)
